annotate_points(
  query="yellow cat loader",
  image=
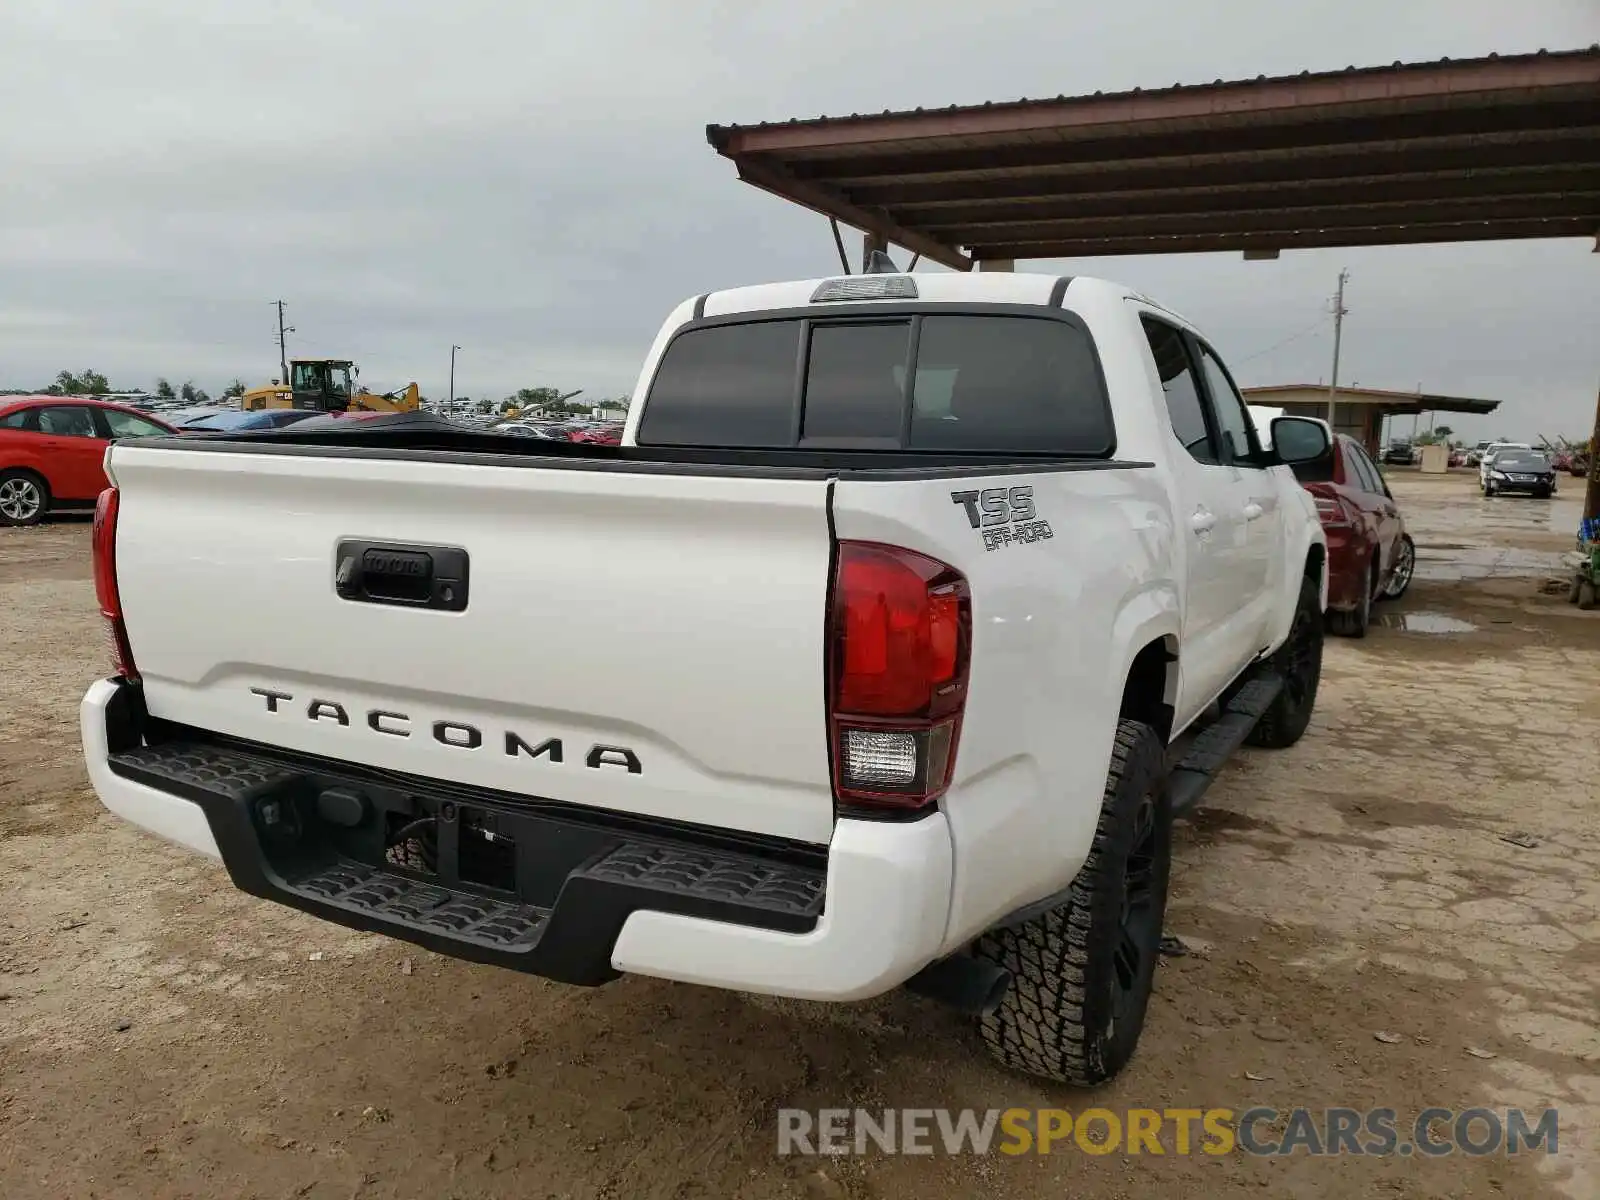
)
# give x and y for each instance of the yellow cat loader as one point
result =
(325, 385)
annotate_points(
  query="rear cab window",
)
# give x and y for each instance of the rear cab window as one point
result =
(1012, 383)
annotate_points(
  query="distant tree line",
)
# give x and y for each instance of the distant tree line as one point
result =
(94, 383)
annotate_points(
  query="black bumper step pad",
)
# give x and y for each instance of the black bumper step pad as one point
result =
(391, 897)
(585, 874)
(750, 883)
(197, 767)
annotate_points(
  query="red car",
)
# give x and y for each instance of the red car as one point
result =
(52, 449)
(1370, 554)
(600, 435)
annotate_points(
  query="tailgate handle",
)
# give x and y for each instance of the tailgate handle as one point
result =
(405, 575)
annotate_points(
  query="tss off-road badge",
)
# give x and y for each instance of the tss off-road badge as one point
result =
(1005, 516)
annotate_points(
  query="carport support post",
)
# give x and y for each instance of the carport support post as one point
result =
(1591, 498)
(869, 243)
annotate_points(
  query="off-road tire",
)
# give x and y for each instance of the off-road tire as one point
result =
(1059, 1019)
(1299, 661)
(20, 477)
(1586, 595)
(1353, 624)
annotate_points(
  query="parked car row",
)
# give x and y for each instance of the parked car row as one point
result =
(595, 433)
(52, 448)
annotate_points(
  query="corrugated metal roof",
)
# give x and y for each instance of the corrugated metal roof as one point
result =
(1030, 101)
(1477, 149)
(1420, 401)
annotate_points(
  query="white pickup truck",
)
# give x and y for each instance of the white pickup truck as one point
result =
(881, 652)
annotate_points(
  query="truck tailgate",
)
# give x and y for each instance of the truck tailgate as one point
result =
(638, 642)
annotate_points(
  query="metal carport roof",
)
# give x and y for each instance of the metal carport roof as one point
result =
(1469, 150)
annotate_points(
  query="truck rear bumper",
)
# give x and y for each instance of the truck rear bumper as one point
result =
(530, 884)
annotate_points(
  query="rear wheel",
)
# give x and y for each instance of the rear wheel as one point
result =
(1354, 623)
(1082, 973)
(23, 498)
(1405, 565)
(1586, 595)
(1299, 661)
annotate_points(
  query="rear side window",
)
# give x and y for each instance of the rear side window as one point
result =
(14, 420)
(1366, 473)
(980, 383)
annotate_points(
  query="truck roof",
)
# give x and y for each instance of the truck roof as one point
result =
(946, 287)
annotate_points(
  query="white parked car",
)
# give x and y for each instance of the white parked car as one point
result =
(871, 670)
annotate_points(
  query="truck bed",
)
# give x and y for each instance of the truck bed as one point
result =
(425, 438)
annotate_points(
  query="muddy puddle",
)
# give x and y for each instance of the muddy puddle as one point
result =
(1425, 622)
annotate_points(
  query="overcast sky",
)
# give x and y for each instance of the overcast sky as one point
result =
(532, 182)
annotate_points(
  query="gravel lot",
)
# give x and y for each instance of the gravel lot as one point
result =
(163, 1035)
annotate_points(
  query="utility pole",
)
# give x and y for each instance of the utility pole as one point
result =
(1339, 312)
(283, 353)
(453, 350)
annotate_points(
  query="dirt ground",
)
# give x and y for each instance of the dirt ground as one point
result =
(163, 1035)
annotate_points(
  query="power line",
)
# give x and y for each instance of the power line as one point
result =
(1293, 337)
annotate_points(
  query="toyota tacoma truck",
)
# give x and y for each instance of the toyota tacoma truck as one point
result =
(881, 652)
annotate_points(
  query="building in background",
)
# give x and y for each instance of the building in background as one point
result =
(1359, 411)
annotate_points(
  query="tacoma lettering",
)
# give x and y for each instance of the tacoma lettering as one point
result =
(458, 735)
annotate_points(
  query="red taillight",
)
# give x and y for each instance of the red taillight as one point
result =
(900, 637)
(105, 583)
(1331, 512)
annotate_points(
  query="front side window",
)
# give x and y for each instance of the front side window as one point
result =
(1233, 423)
(126, 425)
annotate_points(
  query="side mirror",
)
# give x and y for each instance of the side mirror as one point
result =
(1300, 440)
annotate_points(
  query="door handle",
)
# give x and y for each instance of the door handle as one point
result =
(1203, 521)
(1252, 511)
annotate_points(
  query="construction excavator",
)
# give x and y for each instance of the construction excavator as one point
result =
(329, 385)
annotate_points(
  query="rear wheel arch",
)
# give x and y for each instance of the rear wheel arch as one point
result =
(1150, 688)
(1316, 563)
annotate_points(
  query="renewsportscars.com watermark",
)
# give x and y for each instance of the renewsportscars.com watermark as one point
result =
(1262, 1132)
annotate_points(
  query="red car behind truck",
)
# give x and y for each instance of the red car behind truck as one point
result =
(52, 449)
(1370, 554)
